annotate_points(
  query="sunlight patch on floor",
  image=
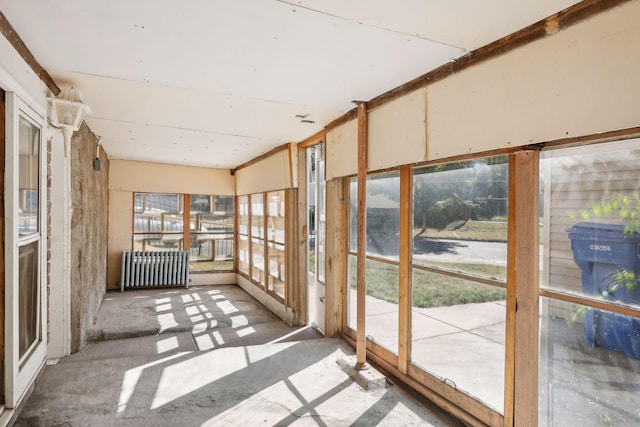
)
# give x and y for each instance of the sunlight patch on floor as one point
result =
(187, 376)
(167, 344)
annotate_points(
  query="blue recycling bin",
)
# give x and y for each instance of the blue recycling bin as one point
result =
(602, 251)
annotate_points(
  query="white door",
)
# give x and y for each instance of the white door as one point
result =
(25, 281)
(316, 220)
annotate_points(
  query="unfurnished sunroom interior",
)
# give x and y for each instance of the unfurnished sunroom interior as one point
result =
(452, 188)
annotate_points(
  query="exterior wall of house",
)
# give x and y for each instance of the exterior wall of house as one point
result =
(89, 216)
(127, 177)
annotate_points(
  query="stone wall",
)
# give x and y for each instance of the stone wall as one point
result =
(90, 207)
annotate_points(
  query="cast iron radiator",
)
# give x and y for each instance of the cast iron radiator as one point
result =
(151, 269)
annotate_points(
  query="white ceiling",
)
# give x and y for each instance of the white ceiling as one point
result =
(216, 83)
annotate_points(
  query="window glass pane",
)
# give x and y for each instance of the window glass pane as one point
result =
(353, 215)
(383, 215)
(157, 213)
(276, 245)
(200, 203)
(212, 227)
(277, 276)
(381, 304)
(157, 242)
(257, 260)
(156, 202)
(243, 254)
(460, 217)
(458, 334)
(321, 216)
(28, 326)
(591, 203)
(28, 177)
(243, 214)
(275, 220)
(138, 202)
(352, 282)
(257, 218)
(582, 382)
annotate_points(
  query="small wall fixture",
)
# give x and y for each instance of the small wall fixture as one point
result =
(96, 161)
(66, 112)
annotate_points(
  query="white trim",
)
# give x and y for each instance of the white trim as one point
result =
(20, 373)
(8, 83)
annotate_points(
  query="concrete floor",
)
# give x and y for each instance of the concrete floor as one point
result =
(210, 356)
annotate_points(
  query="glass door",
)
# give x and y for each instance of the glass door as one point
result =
(316, 239)
(25, 225)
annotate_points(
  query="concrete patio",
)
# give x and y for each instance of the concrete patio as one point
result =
(210, 355)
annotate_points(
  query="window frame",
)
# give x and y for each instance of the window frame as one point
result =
(256, 234)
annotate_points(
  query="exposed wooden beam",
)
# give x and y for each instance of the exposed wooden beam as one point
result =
(549, 26)
(7, 30)
(260, 158)
(361, 350)
(314, 139)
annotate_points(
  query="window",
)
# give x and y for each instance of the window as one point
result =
(212, 233)
(262, 241)
(276, 243)
(25, 237)
(29, 234)
(383, 221)
(243, 235)
(159, 225)
(458, 276)
(589, 359)
(454, 279)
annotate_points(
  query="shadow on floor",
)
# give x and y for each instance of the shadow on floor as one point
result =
(256, 371)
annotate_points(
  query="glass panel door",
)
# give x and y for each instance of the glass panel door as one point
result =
(316, 238)
(25, 211)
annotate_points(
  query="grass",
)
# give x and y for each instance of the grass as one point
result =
(428, 289)
(486, 231)
(211, 265)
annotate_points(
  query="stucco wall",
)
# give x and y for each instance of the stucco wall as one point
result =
(89, 201)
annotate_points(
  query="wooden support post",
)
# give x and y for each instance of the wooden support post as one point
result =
(521, 369)
(361, 345)
(404, 299)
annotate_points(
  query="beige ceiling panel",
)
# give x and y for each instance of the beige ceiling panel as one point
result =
(580, 81)
(397, 131)
(272, 173)
(342, 150)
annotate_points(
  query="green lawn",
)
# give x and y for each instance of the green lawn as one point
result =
(429, 289)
